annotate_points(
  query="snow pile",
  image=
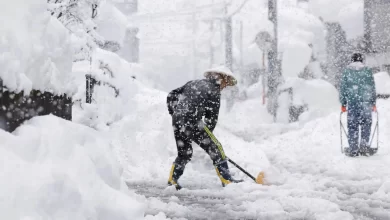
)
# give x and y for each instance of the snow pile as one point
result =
(321, 97)
(35, 51)
(382, 82)
(120, 81)
(298, 29)
(250, 118)
(54, 169)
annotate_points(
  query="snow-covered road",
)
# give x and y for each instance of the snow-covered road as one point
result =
(308, 178)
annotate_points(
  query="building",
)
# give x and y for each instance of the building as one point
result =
(377, 34)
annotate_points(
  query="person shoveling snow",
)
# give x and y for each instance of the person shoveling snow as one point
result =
(357, 92)
(188, 105)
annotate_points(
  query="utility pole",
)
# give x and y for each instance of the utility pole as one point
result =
(274, 70)
(134, 41)
(228, 42)
(241, 44)
(211, 40)
(211, 44)
(194, 51)
(367, 25)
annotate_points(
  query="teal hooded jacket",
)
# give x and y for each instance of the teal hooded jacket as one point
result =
(357, 85)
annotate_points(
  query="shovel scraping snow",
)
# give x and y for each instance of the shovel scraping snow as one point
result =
(259, 179)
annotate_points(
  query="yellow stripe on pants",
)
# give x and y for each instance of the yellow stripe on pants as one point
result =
(216, 142)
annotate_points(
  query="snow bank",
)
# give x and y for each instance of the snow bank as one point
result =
(250, 118)
(298, 29)
(35, 51)
(321, 97)
(106, 108)
(55, 169)
(382, 82)
(295, 58)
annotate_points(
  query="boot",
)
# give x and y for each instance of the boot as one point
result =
(349, 153)
(174, 175)
(364, 150)
(367, 151)
(223, 173)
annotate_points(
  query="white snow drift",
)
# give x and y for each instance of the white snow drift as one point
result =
(54, 169)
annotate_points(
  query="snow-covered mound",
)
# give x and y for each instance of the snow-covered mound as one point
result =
(321, 97)
(120, 81)
(250, 118)
(55, 169)
(35, 50)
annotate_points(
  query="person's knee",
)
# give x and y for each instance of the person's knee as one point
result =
(206, 141)
(184, 157)
(215, 153)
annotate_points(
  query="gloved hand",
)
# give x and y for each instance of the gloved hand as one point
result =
(374, 108)
(343, 108)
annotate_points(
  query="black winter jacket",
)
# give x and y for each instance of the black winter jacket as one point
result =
(196, 99)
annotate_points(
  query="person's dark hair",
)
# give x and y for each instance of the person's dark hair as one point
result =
(357, 57)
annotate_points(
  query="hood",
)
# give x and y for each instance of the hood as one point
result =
(356, 66)
(220, 69)
(223, 70)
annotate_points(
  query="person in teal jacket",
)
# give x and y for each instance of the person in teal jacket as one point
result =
(358, 98)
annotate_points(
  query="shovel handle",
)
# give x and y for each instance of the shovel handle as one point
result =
(240, 168)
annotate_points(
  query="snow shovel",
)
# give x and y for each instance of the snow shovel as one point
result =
(370, 151)
(260, 176)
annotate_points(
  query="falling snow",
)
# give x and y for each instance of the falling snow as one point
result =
(99, 98)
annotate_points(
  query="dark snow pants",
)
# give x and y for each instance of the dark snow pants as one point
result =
(186, 131)
(359, 116)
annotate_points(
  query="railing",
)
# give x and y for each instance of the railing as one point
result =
(91, 82)
(16, 108)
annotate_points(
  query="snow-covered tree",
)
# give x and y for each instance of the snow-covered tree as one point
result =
(78, 16)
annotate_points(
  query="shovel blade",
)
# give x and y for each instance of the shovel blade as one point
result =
(260, 178)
